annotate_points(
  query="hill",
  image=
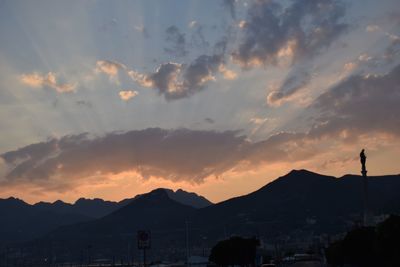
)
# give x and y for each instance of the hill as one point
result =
(21, 221)
(299, 205)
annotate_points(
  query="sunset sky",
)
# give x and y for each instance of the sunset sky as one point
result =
(111, 99)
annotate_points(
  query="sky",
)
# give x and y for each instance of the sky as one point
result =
(110, 99)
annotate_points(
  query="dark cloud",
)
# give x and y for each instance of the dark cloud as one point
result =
(176, 41)
(175, 155)
(362, 104)
(306, 26)
(165, 78)
(297, 32)
(176, 81)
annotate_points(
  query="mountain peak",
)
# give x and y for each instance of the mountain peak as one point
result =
(159, 192)
(181, 196)
(83, 200)
(14, 200)
(302, 172)
(189, 198)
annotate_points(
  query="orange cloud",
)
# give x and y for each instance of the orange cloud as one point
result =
(37, 80)
(127, 95)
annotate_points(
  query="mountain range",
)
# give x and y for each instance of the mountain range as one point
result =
(21, 221)
(297, 205)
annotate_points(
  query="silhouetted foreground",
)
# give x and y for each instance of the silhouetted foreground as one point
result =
(235, 251)
(290, 214)
(369, 246)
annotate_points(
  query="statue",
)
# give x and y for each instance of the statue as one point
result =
(363, 159)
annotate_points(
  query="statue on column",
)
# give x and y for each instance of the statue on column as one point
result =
(363, 159)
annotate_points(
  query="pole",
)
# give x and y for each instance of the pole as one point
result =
(187, 243)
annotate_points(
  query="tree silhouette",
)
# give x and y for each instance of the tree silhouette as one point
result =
(369, 246)
(235, 251)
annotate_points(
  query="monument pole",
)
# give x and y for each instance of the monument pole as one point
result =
(363, 160)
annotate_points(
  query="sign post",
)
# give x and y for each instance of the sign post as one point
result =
(144, 242)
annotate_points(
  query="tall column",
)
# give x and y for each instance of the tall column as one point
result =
(366, 206)
(363, 160)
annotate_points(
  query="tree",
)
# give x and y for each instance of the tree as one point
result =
(235, 251)
(369, 246)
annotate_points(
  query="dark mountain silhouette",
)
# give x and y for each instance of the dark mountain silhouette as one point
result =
(297, 205)
(154, 210)
(181, 196)
(303, 201)
(191, 199)
(21, 221)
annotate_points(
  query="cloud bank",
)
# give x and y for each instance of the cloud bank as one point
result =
(174, 155)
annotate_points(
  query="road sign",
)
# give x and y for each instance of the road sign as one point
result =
(144, 239)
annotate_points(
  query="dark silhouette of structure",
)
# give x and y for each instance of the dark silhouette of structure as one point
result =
(363, 160)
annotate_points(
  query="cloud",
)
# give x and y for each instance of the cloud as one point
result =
(305, 26)
(110, 68)
(358, 107)
(128, 94)
(361, 104)
(227, 73)
(273, 35)
(174, 155)
(177, 42)
(49, 80)
(175, 81)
